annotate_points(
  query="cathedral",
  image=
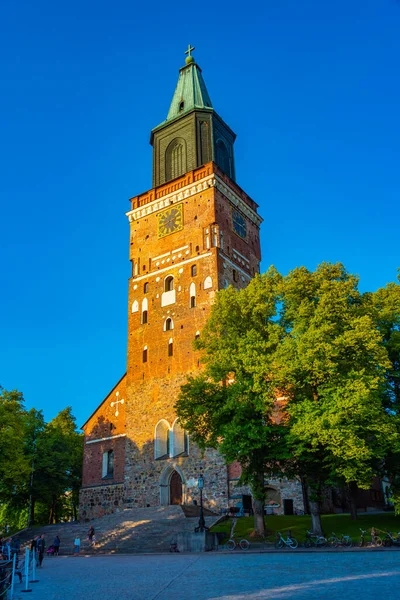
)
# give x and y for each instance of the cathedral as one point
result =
(193, 233)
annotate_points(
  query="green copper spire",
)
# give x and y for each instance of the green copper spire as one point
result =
(190, 91)
(193, 134)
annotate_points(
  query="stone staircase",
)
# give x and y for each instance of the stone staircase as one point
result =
(131, 530)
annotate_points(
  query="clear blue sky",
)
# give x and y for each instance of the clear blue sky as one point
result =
(312, 90)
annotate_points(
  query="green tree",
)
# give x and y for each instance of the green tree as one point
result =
(385, 308)
(310, 339)
(332, 366)
(58, 465)
(231, 406)
(40, 464)
(14, 464)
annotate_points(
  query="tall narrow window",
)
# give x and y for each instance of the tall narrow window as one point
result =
(192, 291)
(180, 444)
(207, 234)
(235, 275)
(222, 157)
(108, 464)
(146, 287)
(145, 354)
(215, 237)
(170, 347)
(194, 270)
(145, 307)
(175, 159)
(161, 440)
(169, 324)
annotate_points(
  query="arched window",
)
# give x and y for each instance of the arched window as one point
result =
(144, 356)
(207, 283)
(135, 306)
(170, 347)
(169, 283)
(168, 296)
(146, 287)
(161, 439)
(180, 445)
(222, 157)
(168, 324)
(192, 291)
(194, 270)
(175, 159)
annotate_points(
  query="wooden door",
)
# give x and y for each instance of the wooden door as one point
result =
(175, 489)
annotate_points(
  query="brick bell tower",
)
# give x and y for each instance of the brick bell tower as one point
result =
(195, 232)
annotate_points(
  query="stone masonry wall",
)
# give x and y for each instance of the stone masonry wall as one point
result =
(100, 500)
(149, 402)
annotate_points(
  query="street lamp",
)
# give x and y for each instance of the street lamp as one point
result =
(202, 524)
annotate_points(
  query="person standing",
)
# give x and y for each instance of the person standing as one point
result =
(91, 535)
(77, 545)
(41, 546)
(34, 547)
(56, 545)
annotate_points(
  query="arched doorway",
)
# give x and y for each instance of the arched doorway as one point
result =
(172, 486)
(175, 488)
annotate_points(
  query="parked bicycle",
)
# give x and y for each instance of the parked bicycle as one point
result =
(315, 540)
(344, 540)
(391, 539)
(290, 541)
(233, 543)
(375, 541)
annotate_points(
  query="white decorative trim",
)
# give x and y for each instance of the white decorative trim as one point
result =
(161, 256)
(184, 262)
(235, 266)
(179, 249)
(172, 198)
(190, 190)
(241, 255)
(112, 437)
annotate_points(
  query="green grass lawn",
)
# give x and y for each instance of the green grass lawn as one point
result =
(299, 525)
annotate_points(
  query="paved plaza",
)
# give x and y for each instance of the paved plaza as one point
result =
(219, 576)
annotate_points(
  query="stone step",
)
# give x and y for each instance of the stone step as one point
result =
(131, 530)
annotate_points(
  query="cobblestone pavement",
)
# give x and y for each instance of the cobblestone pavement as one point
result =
(218, 576)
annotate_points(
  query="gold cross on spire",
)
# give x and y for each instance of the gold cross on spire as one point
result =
(189, 50)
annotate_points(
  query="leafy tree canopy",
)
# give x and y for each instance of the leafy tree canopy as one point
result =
(295, 373)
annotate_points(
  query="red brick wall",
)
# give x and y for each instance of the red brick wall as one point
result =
(105, 425)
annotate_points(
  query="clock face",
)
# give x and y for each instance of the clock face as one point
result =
(170, 220)
(239, 224)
